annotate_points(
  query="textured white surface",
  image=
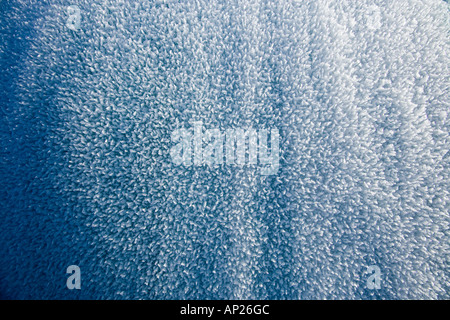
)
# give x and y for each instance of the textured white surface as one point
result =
(359, 91)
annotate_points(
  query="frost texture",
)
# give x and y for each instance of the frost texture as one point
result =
(359, 91)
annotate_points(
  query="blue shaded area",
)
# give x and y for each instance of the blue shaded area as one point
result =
(358, 92)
